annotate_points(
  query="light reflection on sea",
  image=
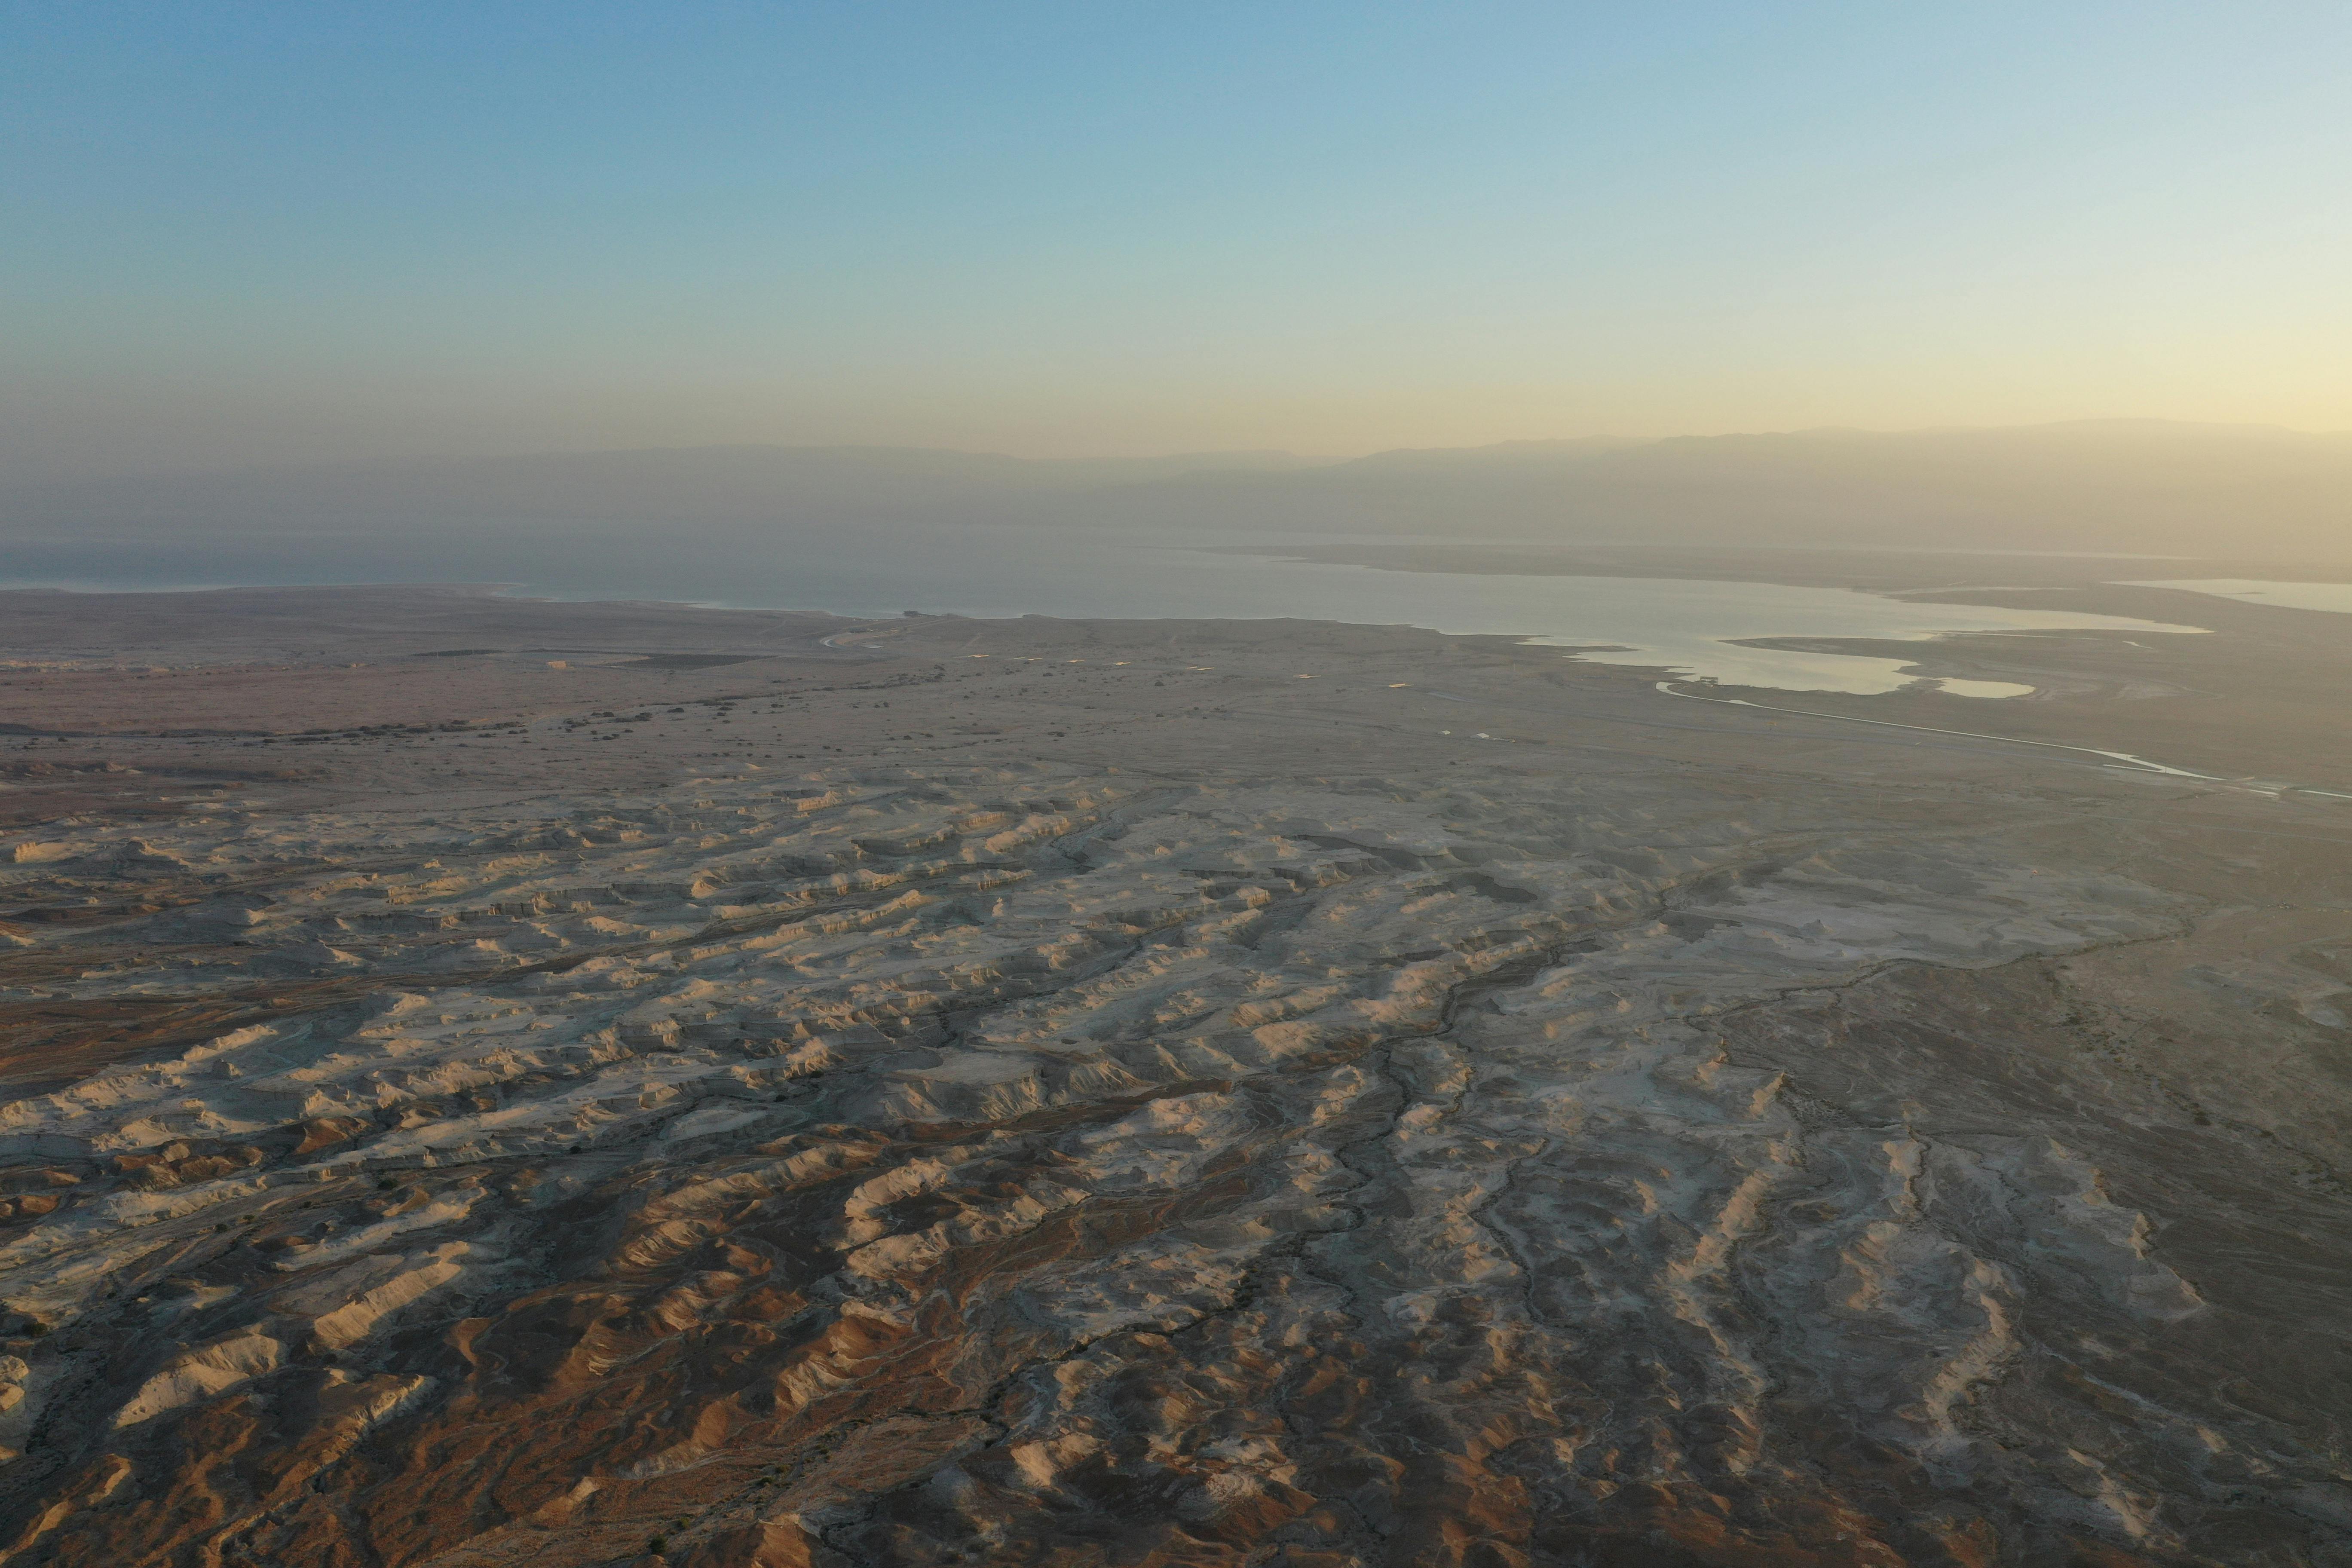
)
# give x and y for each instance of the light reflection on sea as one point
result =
(1696, 629)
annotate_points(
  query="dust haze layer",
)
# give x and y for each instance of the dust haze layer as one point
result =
(500, 1082)
(690, 523)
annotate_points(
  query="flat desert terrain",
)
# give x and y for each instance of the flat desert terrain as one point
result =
(489, 1082)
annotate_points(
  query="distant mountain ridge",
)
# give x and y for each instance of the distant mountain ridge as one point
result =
(2095, 485)
(2102, 485)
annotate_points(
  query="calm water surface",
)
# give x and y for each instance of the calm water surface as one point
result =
(1691, 628)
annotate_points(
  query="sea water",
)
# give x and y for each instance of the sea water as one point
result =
(1700, 630)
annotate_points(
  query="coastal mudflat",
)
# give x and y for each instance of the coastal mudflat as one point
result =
(488, 1082)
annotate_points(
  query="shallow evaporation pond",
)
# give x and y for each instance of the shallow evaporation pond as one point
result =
(2336, 597)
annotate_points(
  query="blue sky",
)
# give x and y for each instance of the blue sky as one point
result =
(260, 232)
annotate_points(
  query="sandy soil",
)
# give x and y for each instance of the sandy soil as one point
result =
(494, 1082)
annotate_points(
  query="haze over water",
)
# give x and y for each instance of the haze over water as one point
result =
(1684, 626)
(383, 235)
(1681, 625)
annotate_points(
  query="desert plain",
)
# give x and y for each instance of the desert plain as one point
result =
(490, 1081)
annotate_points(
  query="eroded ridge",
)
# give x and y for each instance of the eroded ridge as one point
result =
(1030, 1166)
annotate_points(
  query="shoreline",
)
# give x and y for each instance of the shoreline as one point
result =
(1653, 617)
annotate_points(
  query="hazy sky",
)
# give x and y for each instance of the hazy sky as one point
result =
(239, 232)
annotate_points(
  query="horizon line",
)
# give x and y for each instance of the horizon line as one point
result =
(1304, 459)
